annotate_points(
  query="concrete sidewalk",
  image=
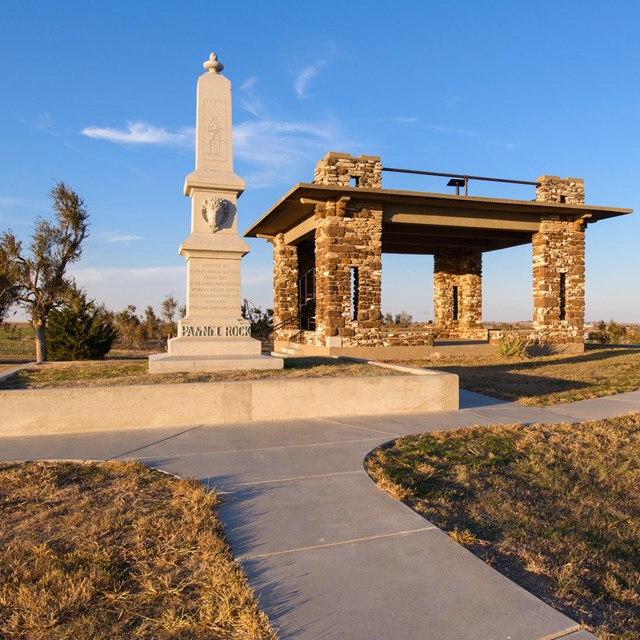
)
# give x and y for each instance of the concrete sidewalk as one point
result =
(329, 554)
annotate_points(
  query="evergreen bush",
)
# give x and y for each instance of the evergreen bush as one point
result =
(79, 330)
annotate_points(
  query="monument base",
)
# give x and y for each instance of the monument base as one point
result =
(165, 363)
(209, 345)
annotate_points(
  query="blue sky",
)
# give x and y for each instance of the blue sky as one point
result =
(102, 95)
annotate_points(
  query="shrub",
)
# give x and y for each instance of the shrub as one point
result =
(613, 333)
(129, 328)
(600, 334)
(403, 319)
(151, 328)
(513, 346)
(79, 330)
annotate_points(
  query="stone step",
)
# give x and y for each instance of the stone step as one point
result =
(287, 354)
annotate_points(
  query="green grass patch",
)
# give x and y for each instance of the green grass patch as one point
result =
(117, 550)
(545, 380)
(17, 343)
(556, 508)
(135, 372)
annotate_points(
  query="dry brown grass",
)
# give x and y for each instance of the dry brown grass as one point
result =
(134, 372)
(556, 508)
(546, 380)
(116, 550)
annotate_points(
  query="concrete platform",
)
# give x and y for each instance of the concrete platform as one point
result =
(165, 363)
(287, 349)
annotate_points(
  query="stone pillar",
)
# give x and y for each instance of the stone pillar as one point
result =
(344, 170)
(348, 271)
(457, 293)
(560, 190)
(348, 252)
(558, 265)
(558, 281)
(213, 335)
(285, 285)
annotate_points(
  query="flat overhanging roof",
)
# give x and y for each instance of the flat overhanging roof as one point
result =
(422, 223)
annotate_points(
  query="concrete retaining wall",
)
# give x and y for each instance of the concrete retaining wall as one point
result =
(48, 411)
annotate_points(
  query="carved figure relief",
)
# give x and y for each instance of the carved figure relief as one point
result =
(215, 211)
(213, 130)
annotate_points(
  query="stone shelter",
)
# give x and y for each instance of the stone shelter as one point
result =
(328, 237)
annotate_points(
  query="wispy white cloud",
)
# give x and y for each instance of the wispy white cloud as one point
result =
(115, 236)
(461, 132)
(92, 275)
(276, 150)
(119, 287)
(142, 133)
(21, 212)
(405, 119)
(20, 202)
(249, 100)
(248, 83)
(280, 150)
(42, 122)
(252, 106)
(306, 75)
(469, 133)
(451, 98)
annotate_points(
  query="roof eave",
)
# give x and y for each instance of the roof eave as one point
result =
(303, 189)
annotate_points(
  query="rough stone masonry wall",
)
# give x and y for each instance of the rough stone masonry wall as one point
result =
(561, 190)
(348, 235)
(558, 253)
(461, 268)
(285, 285)
(340, 168)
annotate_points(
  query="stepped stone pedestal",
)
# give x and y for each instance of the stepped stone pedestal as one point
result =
(213, 335)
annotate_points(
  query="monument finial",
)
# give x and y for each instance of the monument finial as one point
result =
(212, 65)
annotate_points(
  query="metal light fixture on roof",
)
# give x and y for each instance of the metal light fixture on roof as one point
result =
(457, 183)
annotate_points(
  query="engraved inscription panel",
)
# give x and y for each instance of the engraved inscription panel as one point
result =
(214, 287)
(196, 331)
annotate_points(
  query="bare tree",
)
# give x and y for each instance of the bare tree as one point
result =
(38, 274)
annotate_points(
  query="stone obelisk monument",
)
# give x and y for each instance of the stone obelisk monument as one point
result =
(213, 335)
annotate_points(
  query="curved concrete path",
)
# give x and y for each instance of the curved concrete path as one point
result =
(329, 554)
